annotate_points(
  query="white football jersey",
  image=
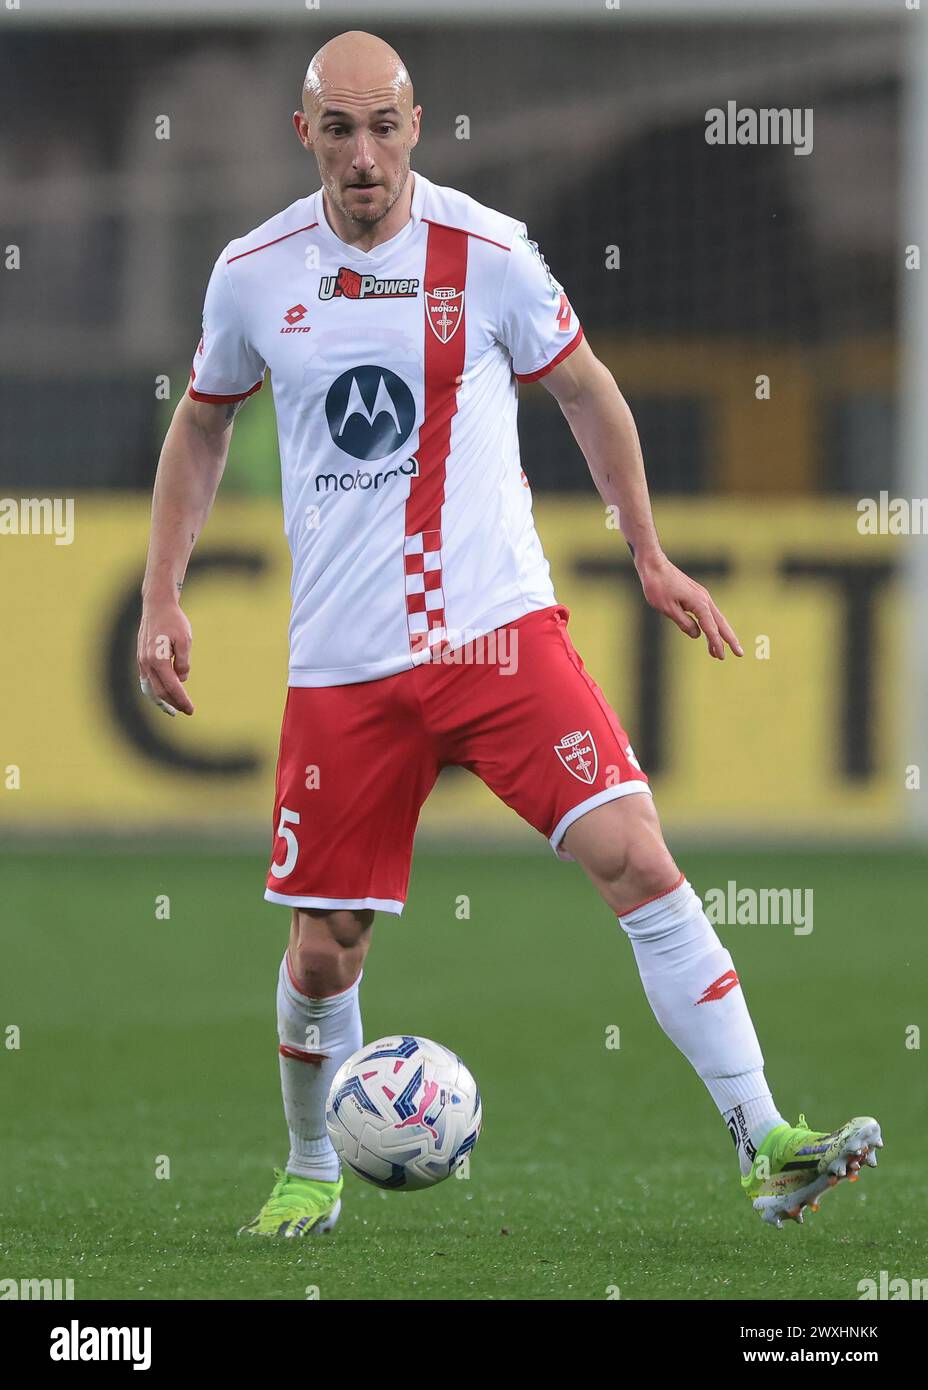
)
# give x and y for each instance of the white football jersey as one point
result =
(394, 375)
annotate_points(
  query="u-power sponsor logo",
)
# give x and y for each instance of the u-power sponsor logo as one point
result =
(350, 284)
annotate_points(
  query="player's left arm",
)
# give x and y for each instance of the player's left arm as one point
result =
(604, 428)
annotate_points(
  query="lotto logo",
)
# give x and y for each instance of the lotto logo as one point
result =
(719, 988)
(293, 316)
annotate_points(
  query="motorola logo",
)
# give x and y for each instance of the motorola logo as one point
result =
(370, 412)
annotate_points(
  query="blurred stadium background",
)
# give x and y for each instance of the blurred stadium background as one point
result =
(695, 269)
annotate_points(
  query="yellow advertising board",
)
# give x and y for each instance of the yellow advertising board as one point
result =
(800, 736)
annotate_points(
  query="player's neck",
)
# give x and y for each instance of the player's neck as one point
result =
(366, 238)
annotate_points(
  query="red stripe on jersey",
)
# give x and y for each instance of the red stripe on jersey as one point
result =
(445, 269)
(446, 228)
(271, 243)
(564, 352)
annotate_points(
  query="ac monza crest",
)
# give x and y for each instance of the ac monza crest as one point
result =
(444, 309)
(577, 752)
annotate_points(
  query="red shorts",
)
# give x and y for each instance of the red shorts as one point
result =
(358, 761)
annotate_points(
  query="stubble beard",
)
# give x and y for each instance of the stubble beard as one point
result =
(367, 216)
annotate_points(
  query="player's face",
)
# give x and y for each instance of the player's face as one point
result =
(362, 148)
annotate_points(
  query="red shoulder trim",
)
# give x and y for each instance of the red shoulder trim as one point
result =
(271, 243)
(210, 399)
(564, 352)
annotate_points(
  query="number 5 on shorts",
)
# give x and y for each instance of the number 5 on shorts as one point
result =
(287, 818)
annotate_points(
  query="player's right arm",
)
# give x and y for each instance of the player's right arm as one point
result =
(227, 369)
(189, 471)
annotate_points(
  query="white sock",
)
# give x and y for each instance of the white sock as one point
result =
(316, 1036)
(750, 1123)
(697, 999)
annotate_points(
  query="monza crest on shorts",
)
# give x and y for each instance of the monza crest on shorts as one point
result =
(444, 309)
(577, 752)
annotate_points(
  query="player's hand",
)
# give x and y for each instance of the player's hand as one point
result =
(688, 604)
(163, 656)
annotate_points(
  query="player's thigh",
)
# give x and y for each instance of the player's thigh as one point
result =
(354, 768)
(543, 737)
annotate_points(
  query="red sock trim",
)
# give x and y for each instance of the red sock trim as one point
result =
(298, 1055)
(296, 985)
(672, 889)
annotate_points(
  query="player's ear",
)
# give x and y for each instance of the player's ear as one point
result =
(301, 126)
(416, 119)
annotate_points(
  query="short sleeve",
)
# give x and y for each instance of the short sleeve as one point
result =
(226, 367)
(536, 321)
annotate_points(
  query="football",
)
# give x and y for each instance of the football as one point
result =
(403, 1113)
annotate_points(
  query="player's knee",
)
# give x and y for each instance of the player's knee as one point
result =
(345, 927)
(649, 869)
(629, 868)
(327, 948)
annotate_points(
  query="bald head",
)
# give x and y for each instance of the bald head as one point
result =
(357, 64)
(359, 121)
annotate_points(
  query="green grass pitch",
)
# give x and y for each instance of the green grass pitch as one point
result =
(599, 1169)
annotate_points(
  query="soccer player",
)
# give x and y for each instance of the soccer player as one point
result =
(397, 317)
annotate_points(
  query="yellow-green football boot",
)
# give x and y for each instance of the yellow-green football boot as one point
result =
(297, 1207)
(795, 1165)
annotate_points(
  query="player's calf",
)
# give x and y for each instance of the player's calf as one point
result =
(318, 1026)
(687, 973)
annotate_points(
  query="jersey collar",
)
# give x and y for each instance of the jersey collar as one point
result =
(386, 248)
